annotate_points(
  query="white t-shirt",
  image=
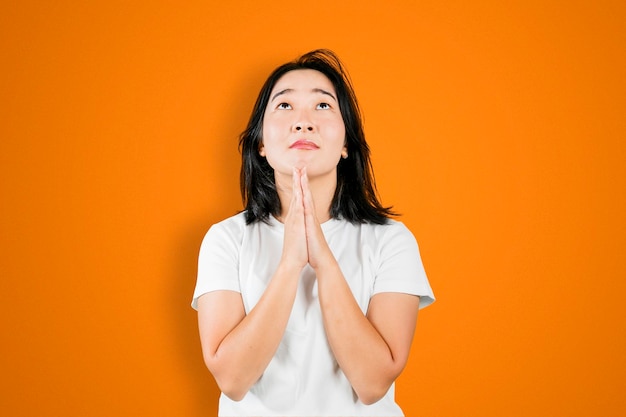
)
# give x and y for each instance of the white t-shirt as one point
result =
(303, 378)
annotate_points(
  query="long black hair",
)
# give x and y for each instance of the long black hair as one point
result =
(355, 198)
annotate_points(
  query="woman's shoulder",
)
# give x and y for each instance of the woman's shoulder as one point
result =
(230, 226)
(236, 220)
(237, 226)
(390, 228)
(392, 232)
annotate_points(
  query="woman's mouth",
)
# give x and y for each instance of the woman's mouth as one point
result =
(304, 144)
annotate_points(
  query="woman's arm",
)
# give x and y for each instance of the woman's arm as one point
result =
(238, 347)
(371, 350)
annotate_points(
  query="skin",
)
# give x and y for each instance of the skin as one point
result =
(371, 349)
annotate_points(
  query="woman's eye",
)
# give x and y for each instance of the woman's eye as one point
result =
(323, 106)
(284, 106)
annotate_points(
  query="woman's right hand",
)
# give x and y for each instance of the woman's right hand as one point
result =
(295, 251)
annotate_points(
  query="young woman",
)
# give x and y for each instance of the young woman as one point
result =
(307, 300)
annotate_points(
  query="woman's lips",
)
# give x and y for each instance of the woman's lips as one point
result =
(304, 144)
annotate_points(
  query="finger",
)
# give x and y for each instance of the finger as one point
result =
(296, 204)
(309, 206)
(296, 187)
(304, 181)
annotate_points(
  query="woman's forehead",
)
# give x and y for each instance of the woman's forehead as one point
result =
(303, 79)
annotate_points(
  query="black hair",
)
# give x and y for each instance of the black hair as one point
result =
(355, 198)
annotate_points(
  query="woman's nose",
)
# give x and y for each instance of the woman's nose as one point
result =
(303, 126)
(303, 122)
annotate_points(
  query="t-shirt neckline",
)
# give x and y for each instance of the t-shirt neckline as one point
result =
(328, 226)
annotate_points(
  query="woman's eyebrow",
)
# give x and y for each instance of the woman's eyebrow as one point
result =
(290, 90)
(319, 90)
(280, 93)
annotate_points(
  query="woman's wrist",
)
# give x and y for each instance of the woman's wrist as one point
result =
(290, 267)
(327, 266)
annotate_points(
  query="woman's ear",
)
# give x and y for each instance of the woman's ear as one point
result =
(262, 150)
(344, 152)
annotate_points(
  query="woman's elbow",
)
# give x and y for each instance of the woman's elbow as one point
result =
(227, 382)
(231, 387)
(235, 393)
(371, 396)
(373, 393)
(374, 390)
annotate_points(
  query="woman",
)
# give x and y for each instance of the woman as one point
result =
(307, 301)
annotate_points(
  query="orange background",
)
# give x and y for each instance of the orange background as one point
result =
(498, 129)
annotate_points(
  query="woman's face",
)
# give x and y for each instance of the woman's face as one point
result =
(302, 126)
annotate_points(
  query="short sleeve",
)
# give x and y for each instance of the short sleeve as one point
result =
(218, 261)
(400, 267)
